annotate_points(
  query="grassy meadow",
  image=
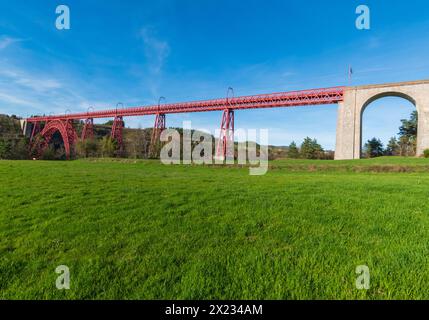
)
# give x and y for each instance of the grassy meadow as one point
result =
(143, 230)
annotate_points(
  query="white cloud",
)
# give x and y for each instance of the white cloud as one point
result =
(156, 50)
(7, 41)
(12, 99)
(38, 83)
(41, 85)
(23, 92)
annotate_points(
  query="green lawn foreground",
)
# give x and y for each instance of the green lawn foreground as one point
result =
(143, 230)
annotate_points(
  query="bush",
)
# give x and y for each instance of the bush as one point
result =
(108, 147)
(87, 148)
(426, 153)
(48, 154)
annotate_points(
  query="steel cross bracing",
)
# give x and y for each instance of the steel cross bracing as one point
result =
(88, 130)
(116, 133)
(158, 128)
(282, 99)
(225, 147)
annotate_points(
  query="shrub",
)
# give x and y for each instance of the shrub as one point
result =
(426, 153)
(87, 148)
(108, 147)
(48, 154)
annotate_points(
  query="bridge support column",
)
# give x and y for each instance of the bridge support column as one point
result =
(35, 130)
(116, 134)
(348, 128)
(24, 126)
(88, 130)
(158, 128)
(72, 138)
(225, 146)
(423, 125)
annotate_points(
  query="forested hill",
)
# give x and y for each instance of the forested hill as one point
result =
(9, 125)
(13, 144)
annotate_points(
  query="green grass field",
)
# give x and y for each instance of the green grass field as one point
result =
(142, 230)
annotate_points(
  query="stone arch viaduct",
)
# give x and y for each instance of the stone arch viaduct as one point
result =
(356, 99)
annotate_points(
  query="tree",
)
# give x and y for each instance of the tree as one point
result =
(373, 148)
(14, 148)
(108, 147)
(136, 143)
(48, 153)
(408, 135)
(310, 149)
(4, 149)
(87, 148)
(392, 148)
(409, 126)
(293, 151)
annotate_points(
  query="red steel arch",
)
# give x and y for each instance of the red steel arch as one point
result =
(67, 132)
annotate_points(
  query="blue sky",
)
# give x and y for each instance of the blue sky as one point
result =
(135, 51)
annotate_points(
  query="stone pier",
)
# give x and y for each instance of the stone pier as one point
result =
(356, 99)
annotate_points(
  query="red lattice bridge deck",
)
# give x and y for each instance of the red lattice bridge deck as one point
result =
(45, 126)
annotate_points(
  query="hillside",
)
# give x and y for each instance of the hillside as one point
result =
(13, 145)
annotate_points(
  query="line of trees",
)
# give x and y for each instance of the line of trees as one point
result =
(309, 149)
(136, 144)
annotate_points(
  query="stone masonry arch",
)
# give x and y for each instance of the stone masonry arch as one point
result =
(356, 99)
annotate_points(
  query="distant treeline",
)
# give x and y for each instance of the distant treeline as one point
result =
(309, 149)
